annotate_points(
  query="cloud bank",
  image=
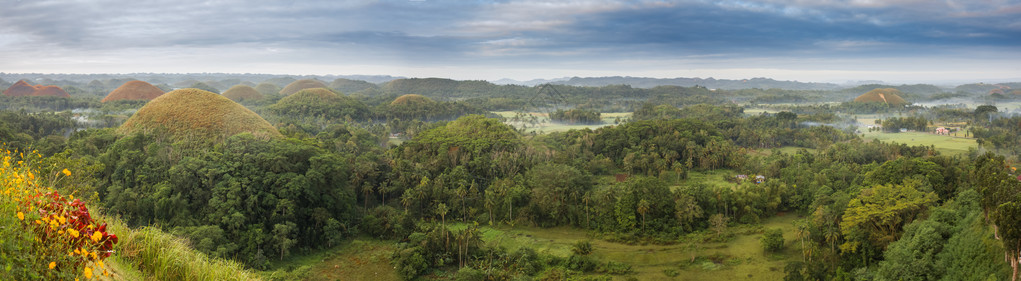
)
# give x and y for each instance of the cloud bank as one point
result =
(824, 40)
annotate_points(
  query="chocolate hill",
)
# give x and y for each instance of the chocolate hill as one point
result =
(412, 99)
(241, 93)
(24, 89)
(134, 90)
(320, 102)
(299, 85)
(197, 115)
(265, 88)
(889, 96)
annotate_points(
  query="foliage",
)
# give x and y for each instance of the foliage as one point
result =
(576, 116)
(875, 217)
(263, 196)
(772, 240)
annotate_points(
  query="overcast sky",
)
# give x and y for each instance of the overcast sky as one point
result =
(805, 40)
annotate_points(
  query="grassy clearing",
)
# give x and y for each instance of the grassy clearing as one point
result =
(742, 258)
(944, 144)
(718, 177)
(359, 259)
(757, 111)
(545, 126)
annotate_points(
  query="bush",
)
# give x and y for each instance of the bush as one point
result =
(582, 248)
(469, 274)
(772, 240)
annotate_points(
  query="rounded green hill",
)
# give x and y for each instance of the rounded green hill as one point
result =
(241, 93)
(888, 96)
(320, 102)
(299, 85)
(134, 90)
(412, 99)
(197, 115)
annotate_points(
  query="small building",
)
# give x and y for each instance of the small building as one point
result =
(942, 131)
(760, 178)
(742, 177)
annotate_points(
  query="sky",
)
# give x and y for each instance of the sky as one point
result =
(907, 41)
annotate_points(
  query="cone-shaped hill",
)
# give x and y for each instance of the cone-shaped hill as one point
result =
(265, 88)
(20, 89)
(320, 102)
(197, 115)
(411, 100)
(134, 90)
(299, 85)
(889, 96)
(241, 93)
(23, 89)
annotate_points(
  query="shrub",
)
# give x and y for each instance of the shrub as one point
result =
(772, 240)
(582, 248)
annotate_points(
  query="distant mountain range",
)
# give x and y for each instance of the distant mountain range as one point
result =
(644, 82)
(532, 82)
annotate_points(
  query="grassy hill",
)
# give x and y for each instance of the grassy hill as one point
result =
(889, 96)
(241, 93)
(198, 115)
(299, 85)
(320, 102)
(134, 90)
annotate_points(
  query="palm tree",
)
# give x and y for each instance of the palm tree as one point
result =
(643, 208)
(441, 209)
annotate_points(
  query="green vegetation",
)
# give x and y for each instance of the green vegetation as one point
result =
(383, 185)
(320, 103)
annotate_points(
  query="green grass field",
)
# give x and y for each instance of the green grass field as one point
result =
(944, 144)
(741, 258)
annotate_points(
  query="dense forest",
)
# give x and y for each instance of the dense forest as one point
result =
(426, 166)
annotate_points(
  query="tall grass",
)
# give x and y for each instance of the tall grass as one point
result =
(163, 256)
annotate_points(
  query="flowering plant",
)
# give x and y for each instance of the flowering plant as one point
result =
(65, 236)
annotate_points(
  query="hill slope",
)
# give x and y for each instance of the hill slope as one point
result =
(134, 90)
(193, 114)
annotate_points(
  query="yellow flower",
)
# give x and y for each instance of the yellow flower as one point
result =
(100, 264)
(53, 264)
(21, 216)
(61, 219)
(85, 252)
(66, 172)
(73, 232)
(78, 251)
(88, 272)
(96, 236)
